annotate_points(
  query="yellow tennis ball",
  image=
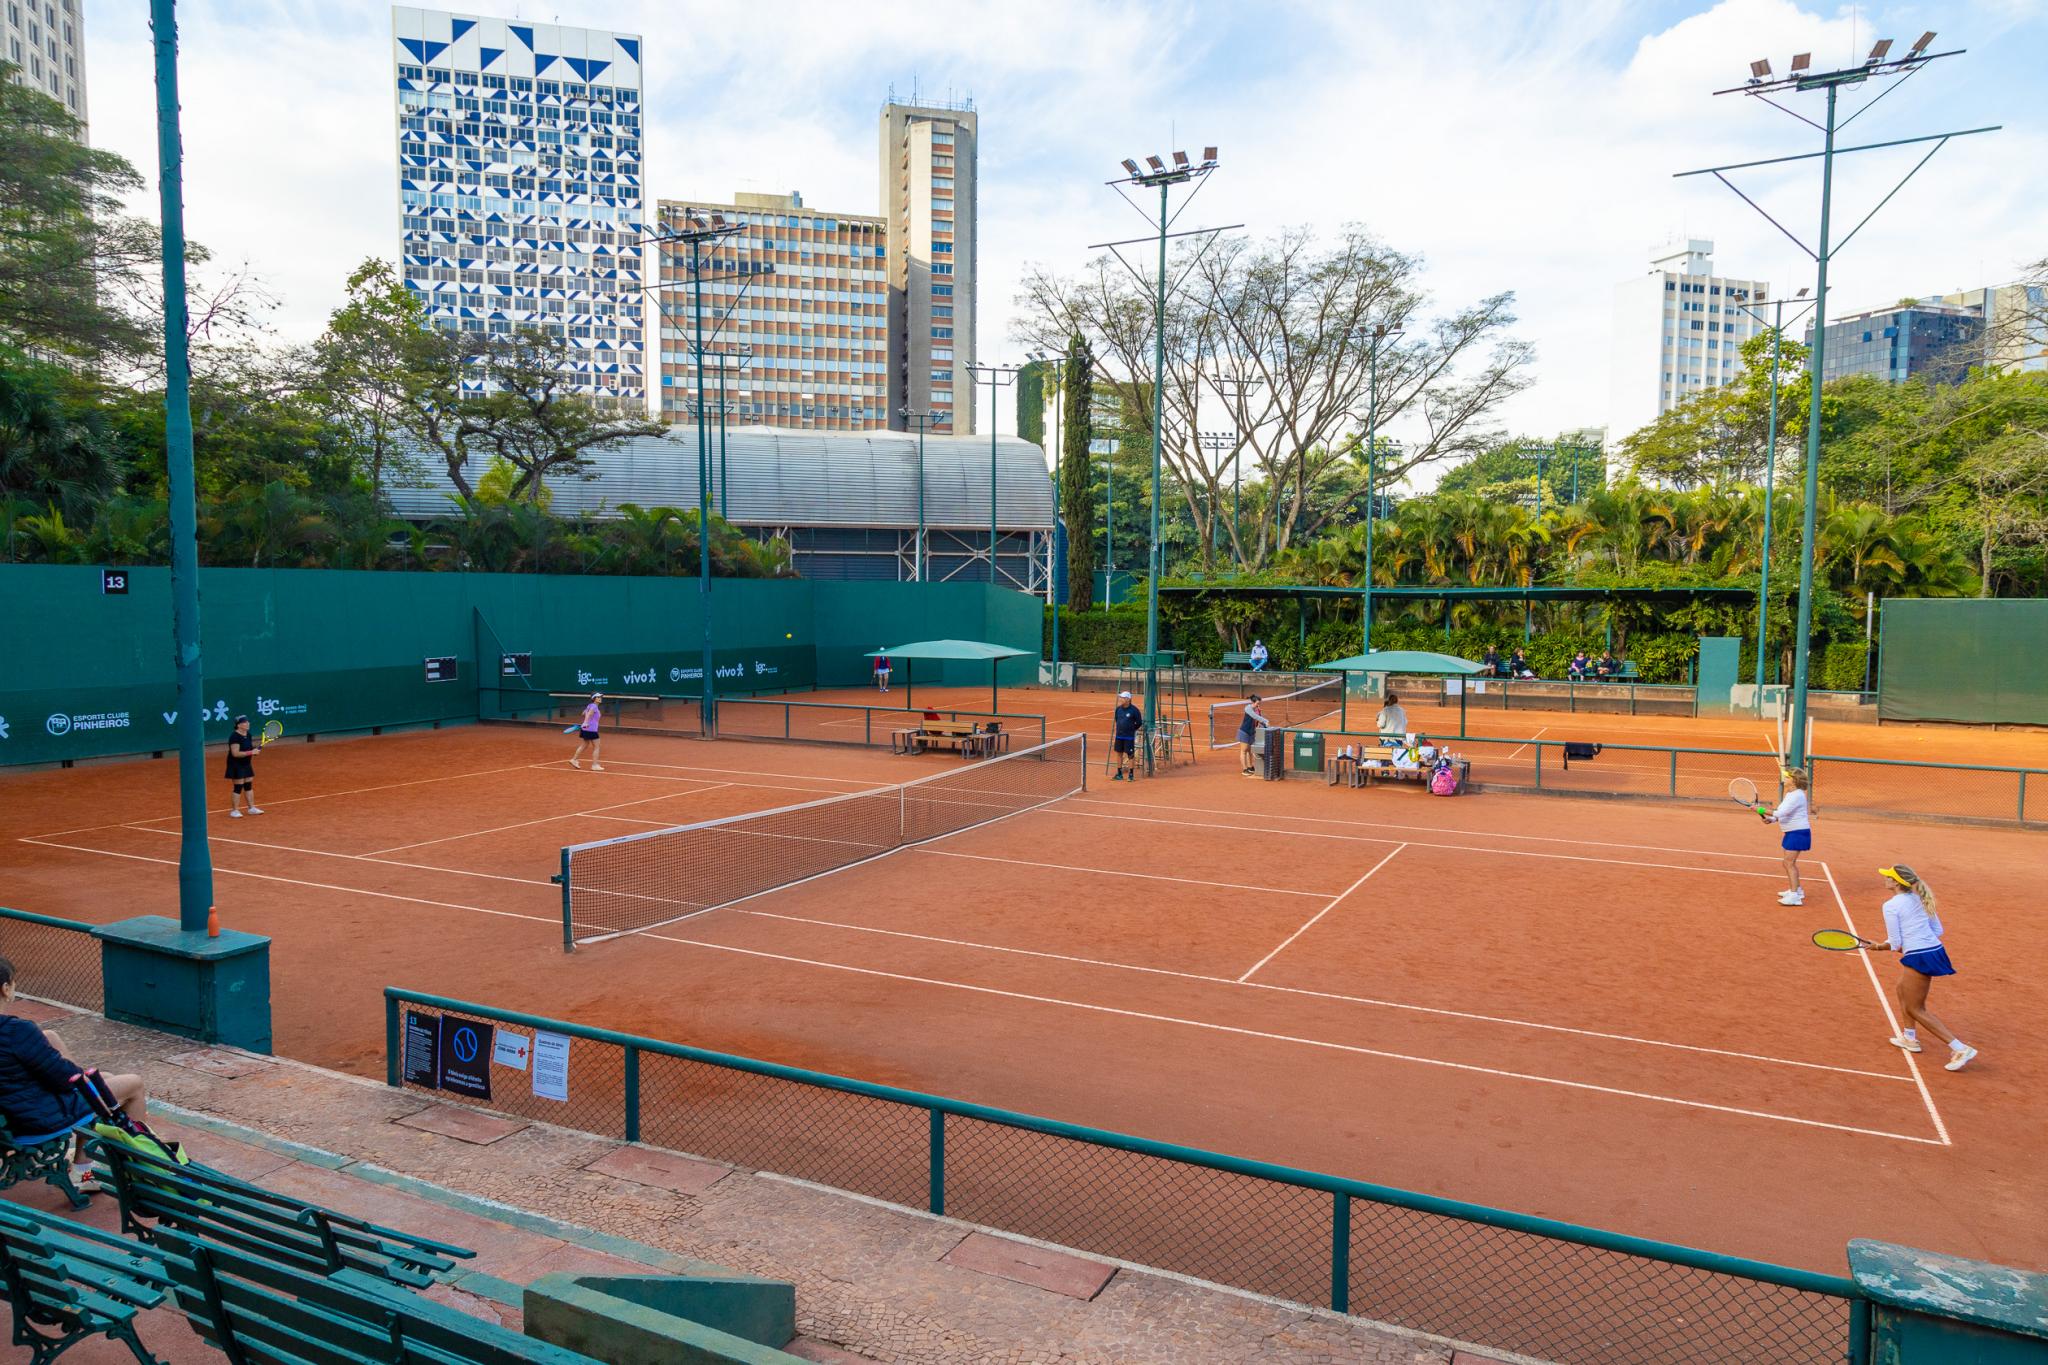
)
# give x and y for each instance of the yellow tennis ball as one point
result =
(788, 635)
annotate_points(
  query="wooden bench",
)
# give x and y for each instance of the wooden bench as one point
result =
(66, 1283)
(258, 1312)
(45, 1157)
(962, 736)
(223, 1211)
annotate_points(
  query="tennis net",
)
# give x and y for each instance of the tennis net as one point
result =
(1305, 708)
(638, 882)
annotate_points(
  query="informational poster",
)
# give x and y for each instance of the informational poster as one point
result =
(422, 1049)
(1453, 686)
(512, 1049)
(1478, 686)
(551, 1066)
(446, 669)
(466, 1058)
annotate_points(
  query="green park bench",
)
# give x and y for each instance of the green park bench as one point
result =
(45, 1157)
(259, 1312)
(66, 1283)
(229, 1213)
(1237, 659)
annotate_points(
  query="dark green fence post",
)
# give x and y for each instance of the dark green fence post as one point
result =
(1859, 1331)
(785, 720)
(1340, 1252)
(2023, 798)
(632, 1094)
(938, 1177)
(391, 1062)
(1539, 764)
(867, 730)
(1674, 772)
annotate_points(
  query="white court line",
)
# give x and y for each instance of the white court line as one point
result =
(1523, 745)
(755, 786)
(1298, 1041)
(316, 853)
(1115, 872)
(1242, 828)
(544, 820)
(1367, 1000)
(561, 765)
(1912, 1062)
(1429, 829)
(1320, 913)
(299, 881)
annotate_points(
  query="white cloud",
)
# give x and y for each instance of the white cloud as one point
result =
(1515, 146)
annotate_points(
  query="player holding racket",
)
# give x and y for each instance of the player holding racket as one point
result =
(1794, 816)
(242, 751)
(1913, 931)
(587, 733)
(1248, 732)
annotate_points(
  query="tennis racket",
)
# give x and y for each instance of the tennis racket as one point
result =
(1840, 941)
(571, 729)
(272, 730)
(1743, 792)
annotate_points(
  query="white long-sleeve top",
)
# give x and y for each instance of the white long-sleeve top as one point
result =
(1909, 925)
(1793, 812)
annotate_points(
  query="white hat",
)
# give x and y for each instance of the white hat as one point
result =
(1124, 696)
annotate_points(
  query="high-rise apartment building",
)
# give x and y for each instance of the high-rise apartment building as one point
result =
(928, 198)
(45, 41)
(1678, 332)
(796, 303)
(519, 186)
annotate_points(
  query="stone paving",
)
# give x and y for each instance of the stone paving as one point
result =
(873, 1282)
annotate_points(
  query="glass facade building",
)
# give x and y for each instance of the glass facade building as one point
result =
(519, 187)
(1926, 341)
(797, 305)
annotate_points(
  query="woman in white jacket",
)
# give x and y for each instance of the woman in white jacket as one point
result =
(1794, 816)
(1913, 931)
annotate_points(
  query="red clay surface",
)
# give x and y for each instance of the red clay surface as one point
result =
(1594, 1011)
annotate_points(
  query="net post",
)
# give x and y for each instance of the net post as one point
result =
(1340, 1252)
(1674, 772)
(1084, 760)
(568, 921)
(785, 720)
(2023, 798)
(632, 1094)
(1539, 763)
(867, 730)
(938, 1162)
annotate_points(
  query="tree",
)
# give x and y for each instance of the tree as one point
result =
(1509, 471)
(1077, 486)
(532, 419)
(373, 367)
(1031, 400)
(65, 244)
(56, 449)
(1276, 336)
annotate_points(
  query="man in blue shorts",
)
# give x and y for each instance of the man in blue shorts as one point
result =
(1124, 727)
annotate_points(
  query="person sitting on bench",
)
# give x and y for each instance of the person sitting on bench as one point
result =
(1581, 667)
(1609, 666)
(1259, 656)
(1392, 722)
(1495, 666)
(39, 1094)
(1520, 667)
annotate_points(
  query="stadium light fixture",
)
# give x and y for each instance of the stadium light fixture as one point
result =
(1801, 61)
(1131, 166)
(1884, 45)
(1760, 70)
(1920, 46)
(1156, 164)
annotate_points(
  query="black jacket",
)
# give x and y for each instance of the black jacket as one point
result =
(36, 1094)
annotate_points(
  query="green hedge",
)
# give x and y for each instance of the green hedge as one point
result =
(1839, 667)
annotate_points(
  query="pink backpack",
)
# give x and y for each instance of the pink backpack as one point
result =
(1444, 781)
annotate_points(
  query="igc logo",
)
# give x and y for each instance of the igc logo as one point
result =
(58, 724)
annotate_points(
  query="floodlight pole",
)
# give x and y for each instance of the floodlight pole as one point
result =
(1763, 589)
(998, 376)
(1216, 442)
(1380, 332)
(1763, 85)
(195, 855)
(919, 571)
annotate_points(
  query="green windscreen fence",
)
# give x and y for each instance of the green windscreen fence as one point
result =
(86, 672)
(1982, 661)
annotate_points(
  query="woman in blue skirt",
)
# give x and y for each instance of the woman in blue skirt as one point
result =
(1913, 931)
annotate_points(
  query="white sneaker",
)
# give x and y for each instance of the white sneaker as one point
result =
(1909, 1044)
(576, 763)
(234, 815)
(255, 810)
(597, 767)
(1960, 1057)
(1791, 898)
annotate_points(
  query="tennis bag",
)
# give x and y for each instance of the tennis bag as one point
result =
(1444, 781)
(112, 1123)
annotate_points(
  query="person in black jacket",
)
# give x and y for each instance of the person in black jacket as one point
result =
(37, 1095)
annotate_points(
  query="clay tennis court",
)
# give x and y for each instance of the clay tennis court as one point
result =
(1594, 1011)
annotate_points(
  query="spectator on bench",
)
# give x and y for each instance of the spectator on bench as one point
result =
(1609, 666)
(38, 1090)
(1520, 667)
(1581, 667)
(1259, 655)
(1392, 722)
(1495, 666)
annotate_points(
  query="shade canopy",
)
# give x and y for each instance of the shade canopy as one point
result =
(953, 650)
(1401, 661)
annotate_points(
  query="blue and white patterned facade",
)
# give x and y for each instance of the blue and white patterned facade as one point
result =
(520, 200)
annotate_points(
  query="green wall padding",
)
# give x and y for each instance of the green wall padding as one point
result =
(1982, 661)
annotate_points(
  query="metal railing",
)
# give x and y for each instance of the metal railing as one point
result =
(54, 959)
(1974, 793)
(816, 722)
(1462, 1271)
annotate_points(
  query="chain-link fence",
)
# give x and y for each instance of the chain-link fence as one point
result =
(54, 959)
(1948, 791)
(1463, 1271)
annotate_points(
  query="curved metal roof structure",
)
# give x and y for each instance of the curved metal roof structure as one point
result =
(781, 478)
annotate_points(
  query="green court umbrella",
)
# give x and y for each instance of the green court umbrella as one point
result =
(1405, 661)
(950, 651)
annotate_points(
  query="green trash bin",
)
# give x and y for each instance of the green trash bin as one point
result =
(1308, 751)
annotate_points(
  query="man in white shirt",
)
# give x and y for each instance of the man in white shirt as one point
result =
(1392, 723)
(1259, 656)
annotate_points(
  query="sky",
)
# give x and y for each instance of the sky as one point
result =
(1529, 146)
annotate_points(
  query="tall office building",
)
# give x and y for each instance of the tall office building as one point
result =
(928, 198)
(45, 40)
(1678, 332)
(1927, 340)
(519, 186)
(2015, 323)
(797, 303)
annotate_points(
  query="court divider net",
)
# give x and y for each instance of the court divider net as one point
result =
(1303, 709)
(638, 882)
